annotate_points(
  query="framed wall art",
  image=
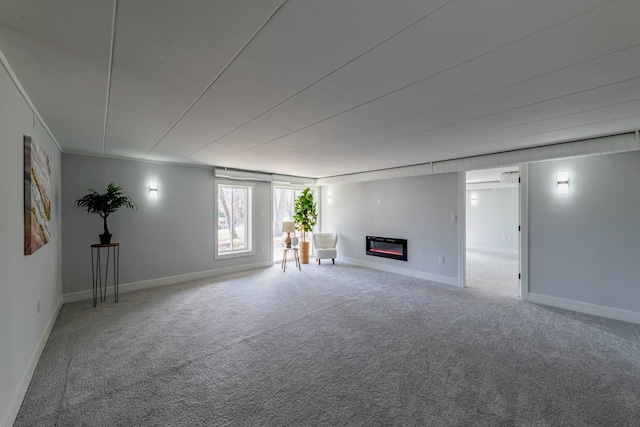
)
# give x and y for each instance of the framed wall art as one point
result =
(37, 196)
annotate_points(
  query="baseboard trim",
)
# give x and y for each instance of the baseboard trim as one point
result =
(492, 249)
(447, 280)
(18, 397)
(585, 307)
(170, 280)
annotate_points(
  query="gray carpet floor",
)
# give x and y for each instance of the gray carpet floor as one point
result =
(493, 272)
(332, 345)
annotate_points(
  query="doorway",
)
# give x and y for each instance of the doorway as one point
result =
(492, 231)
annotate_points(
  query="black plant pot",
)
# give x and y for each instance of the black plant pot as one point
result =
(105, 238)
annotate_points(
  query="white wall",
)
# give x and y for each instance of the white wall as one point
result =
(585, 245)
(24, 280)
(169, 236)
(417, 209)
(492, 222)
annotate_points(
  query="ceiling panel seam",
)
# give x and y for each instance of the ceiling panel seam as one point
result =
(215, 79)
(47, 40)
(109, 71)
(25, 96)
(430, 76)
(578, 148)
(554, 130)
(526, 123)
(511, 110)
(554, 143)
(448, 104)
(525, 136)
(325, 76)
(441, 140)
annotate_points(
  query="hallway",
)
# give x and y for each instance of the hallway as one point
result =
(493, 272)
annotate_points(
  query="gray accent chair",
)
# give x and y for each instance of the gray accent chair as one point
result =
(325, 246)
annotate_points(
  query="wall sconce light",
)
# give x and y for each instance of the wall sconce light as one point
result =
(563, 182)
(474, 199)
(153, 189)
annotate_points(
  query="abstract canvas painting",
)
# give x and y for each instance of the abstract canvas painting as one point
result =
(37, 196)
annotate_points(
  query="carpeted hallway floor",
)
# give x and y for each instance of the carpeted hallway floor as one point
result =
(493, 272)
(332, 345)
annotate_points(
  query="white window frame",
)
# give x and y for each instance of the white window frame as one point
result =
(249, 234)
(296, 187)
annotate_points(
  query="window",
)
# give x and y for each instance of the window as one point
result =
(233, 220)
(283, 203)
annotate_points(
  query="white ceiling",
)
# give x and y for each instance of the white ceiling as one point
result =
(323, 88)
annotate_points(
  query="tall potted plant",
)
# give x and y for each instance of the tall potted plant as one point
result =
(305, 217)
(104, 205)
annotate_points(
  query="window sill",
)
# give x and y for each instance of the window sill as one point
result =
(236, 254)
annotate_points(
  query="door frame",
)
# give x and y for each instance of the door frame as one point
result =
(523, 235)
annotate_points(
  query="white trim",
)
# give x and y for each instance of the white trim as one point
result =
(462, 229)
(16, 82)
(447, 280)
(249, 234)
(585, 307)
(523, 236)
(271, 219)
(18, 397)
(235, 254)
(294, 181)
(171, 280)
(240, 175)
(129, 159)
(492, 249)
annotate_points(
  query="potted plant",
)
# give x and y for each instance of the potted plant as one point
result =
(104, 205)
(305, 217)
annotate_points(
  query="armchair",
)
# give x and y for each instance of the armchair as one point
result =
(325, 246)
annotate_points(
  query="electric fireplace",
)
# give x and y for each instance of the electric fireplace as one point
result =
(387, 247)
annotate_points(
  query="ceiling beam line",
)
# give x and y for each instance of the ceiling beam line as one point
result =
(447, 69)
(406, 27)
(106, 108)
(215, 79)
(496, 113)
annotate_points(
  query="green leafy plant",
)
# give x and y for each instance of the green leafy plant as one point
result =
(105, 204)
(305, 215)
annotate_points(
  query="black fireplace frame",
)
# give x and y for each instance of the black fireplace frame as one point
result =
(381, 252)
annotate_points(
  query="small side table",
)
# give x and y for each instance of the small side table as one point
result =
(296, 256)
(96, 270)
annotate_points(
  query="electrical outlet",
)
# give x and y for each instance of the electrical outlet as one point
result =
(441, 259)
(453, 216)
